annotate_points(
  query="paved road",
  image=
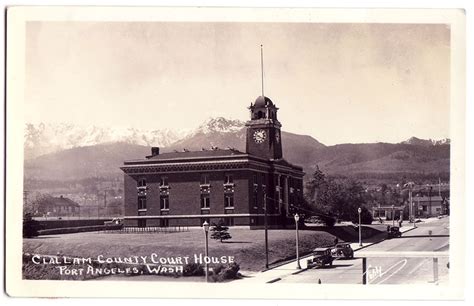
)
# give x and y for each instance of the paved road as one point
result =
(389, 270)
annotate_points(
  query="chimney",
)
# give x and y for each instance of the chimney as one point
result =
(155, 151)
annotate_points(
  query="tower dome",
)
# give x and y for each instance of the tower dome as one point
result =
(263, 101)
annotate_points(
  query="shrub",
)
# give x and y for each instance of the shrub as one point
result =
(193, 269)
(225, 272)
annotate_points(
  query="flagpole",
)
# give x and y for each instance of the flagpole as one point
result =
(261, 62)
(265, 192)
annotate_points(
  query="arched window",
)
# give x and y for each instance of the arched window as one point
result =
(259, 115)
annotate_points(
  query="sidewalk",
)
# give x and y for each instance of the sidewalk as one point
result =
(277, 273)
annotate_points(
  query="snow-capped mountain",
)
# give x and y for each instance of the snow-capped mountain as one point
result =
(218, 125)
(44, 138)
(426, 142)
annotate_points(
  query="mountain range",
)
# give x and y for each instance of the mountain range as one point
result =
(66, 151)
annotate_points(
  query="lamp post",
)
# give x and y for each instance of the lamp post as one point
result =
(265, 221)
(205, 227)
(297, 218)
(393, 215)
(359, 210)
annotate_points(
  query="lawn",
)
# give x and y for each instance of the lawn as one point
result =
(247, 246)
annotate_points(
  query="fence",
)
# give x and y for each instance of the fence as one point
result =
(148, 229)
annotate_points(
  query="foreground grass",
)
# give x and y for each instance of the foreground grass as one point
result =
(247, 246)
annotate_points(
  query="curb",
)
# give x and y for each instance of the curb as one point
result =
(373, 243)
(308, 255)
(274, 280)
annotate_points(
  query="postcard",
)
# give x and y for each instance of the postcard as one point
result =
(235, 153)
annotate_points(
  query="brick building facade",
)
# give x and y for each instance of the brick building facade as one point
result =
(186, 188)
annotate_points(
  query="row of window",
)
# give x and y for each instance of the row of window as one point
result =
(228, 179)
(205, 202)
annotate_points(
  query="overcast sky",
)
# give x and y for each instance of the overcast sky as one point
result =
(336, 82)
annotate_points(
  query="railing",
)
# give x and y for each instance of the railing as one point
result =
(148, 229)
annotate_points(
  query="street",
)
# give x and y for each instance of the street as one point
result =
(388, 270)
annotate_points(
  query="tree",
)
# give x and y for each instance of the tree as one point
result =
(35, 204)
(335, 196)
(365, 216)
(220, 231)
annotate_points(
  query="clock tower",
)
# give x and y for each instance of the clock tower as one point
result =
(263, 130)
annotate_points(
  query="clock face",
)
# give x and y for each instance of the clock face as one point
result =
(259, 136)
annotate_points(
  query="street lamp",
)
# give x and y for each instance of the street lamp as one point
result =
(414, 215)
(359, 210)
(393, 215)
(205, 227)
(297, 218)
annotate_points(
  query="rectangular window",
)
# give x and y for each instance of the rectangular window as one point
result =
(228, 179)
(164, 202)
(141, 182)
(204, 179)
(141, 203)
(205, 201)
(255, 199)
(163, 181)
(229, 201)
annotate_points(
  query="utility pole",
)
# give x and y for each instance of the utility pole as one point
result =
(266, 227)
(439, 187)
(429, 195)
(98, 206)
(410, 196)
(105, 202)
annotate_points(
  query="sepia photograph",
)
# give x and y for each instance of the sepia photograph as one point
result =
(235, 148)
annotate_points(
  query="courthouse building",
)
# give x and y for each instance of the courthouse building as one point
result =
(186, 188)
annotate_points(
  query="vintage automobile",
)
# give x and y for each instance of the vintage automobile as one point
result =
(320, 258)
(394, 232)
(114, 224)
(342, 250)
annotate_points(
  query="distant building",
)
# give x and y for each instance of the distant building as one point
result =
(190, 187)
(426, 206)
(386, 212)
(423, 207)
(57, 207)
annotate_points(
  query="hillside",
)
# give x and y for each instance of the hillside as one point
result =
(354, 160)
(80, 154)
(102, 160)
